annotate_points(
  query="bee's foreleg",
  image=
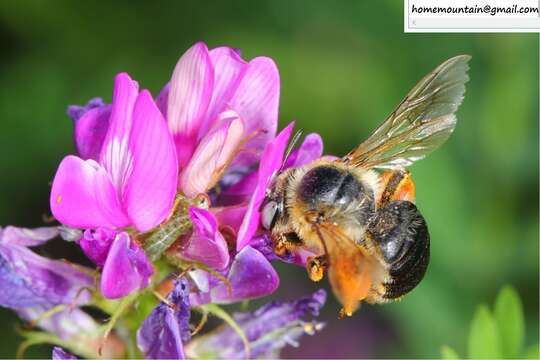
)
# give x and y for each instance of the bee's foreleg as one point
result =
(286, 243)
(316, 266)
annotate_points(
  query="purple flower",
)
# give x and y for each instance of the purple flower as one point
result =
(91, 124)
(236, 188)
(126, 268)
(250, 276)
(28, 280)
(271, 161)
(310, 150)
(96, 244)
(205, 84)
(33, 285)
(60, 354)
(75, 112)
(163, 332)
(206, 244)
(263, 244)
(132, 184)
(268, 329)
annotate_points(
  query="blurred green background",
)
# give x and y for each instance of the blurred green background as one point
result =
(344, 66)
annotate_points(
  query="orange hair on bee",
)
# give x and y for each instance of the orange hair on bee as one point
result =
(348, 269)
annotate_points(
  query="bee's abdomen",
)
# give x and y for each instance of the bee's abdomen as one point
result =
(331, 186)
(401, 235)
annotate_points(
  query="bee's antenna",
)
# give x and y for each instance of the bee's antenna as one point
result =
(290, 148)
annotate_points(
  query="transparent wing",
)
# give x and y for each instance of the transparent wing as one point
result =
(421, 122)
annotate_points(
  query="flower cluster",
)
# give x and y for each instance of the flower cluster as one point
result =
(163, 196)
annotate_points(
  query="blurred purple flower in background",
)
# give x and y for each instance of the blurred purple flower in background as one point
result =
(29, 280)
(60, 354)
(268, 329)
(162, 334)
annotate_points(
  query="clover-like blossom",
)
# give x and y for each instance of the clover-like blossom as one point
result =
(216, 103)
(268, 329)
(132, 184)
(137, 189)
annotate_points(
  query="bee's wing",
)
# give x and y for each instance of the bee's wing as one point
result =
(348, 269)
(421, 122)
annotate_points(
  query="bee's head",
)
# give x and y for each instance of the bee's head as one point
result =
(269, 213)
(272, 207)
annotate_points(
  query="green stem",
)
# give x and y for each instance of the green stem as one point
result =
(38, 337)
(125, 303)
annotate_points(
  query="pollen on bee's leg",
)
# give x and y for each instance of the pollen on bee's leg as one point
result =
(280, 248)
(346, 311)
(315, 267)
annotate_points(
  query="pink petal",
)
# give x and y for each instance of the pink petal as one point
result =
(162, 100)
(310, 150)
(271, 161)
(115, 156)
(251, 276)
(206, 244)
(96, 244)
(257, 100)
(240, 192)
(126, 269)
(230, 216)
(189, 95)
(228, 71)
(150, 189)
(83, 196)
(90, 131)
(213, 153)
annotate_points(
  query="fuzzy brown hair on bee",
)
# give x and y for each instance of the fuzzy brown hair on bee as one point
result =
(357, 214)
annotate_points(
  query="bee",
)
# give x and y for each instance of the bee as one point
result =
(357, 214)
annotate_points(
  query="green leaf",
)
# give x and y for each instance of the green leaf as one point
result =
(483, 336)
(532, 352)
(510, 323)
(448, 353)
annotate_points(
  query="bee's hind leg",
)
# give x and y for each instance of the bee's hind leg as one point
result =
(316, 266)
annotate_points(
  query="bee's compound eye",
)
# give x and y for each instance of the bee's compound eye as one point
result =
(268, 214)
